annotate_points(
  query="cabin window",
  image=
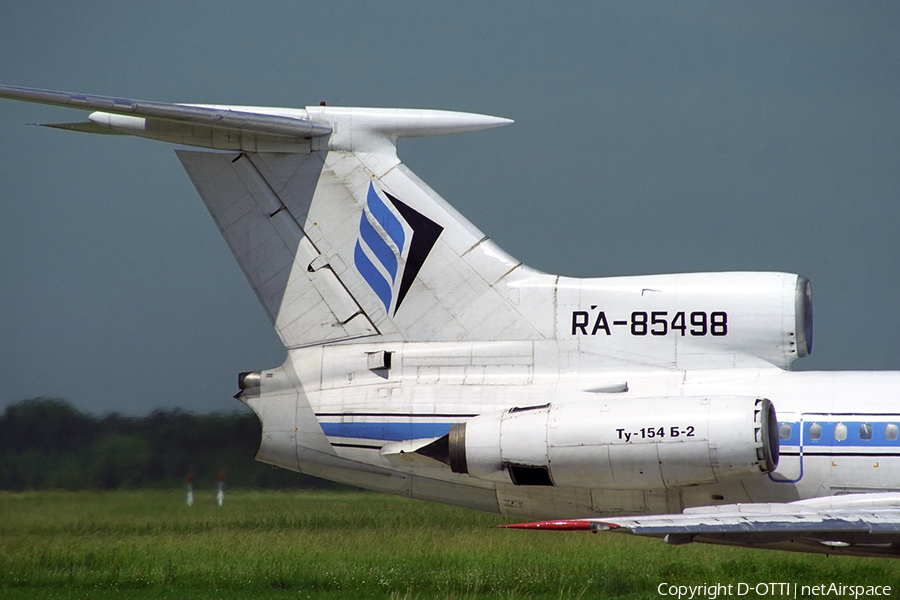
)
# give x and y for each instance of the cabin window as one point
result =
(865, 431)
(840, 432)
(815, 432)
(890, 432)
(784, 431)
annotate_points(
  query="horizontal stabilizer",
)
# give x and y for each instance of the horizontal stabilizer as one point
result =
(299, 126)
(259, 129)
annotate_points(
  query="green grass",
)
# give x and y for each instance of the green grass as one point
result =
(148, 544)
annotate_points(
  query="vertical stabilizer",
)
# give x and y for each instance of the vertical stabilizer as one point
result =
(345, 242)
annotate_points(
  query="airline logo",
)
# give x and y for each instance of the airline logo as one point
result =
(394, 241)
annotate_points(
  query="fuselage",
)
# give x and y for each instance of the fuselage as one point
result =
(837, 430)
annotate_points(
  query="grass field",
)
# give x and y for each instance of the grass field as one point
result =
(149, 544)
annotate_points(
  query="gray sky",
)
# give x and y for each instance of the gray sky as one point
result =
(650, 137)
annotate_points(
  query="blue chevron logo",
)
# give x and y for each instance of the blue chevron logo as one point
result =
(381, 237)
(391, 248)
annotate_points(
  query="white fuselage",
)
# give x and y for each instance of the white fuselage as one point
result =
(430, 387)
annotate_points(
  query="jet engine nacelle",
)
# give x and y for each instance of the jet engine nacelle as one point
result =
(690, 320)
(644, 443)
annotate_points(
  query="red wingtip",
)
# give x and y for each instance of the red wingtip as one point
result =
(565, 525)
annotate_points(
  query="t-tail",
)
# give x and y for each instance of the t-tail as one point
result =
(343, 243)
(337, 237)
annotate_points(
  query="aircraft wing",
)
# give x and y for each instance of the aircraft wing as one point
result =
(806, 526)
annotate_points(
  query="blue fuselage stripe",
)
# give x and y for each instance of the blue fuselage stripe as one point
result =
(388, 432)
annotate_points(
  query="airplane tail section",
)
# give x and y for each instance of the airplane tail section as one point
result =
(343, 241)
(340, 241)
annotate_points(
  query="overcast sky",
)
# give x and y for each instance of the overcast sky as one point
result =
(650, 137)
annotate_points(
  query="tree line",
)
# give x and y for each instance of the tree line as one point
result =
(46, 443)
